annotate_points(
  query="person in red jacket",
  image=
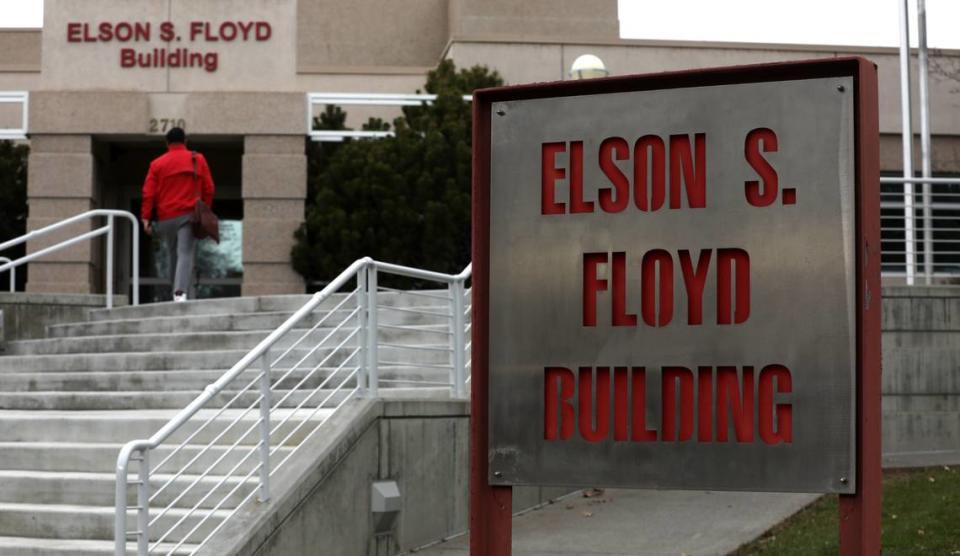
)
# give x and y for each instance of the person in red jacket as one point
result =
(174, 183)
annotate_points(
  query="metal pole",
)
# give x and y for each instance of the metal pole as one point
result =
(109, 274)
(362, 299)
(265, 426)
(457, 323)
(373, 379)
(136, 261)
(907, 139)
(924, 84)
(13, 279)
(143, 504)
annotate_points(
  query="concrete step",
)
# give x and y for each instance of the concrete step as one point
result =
(58, 521)
(266, 321)
(233, 305)
(122, 426)
(198, 341)
(429, 354)
(186, 380)
(101, 457)
(97, 489)
(68, 401)
(24, 546)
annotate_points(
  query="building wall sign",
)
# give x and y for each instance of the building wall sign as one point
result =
(169, 46)
(172, 55)
(673, 286)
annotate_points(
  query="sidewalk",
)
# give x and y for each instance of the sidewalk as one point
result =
(643, 522)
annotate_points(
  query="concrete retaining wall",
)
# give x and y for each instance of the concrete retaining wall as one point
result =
(26, 315)
(921, 375)
(422, 445)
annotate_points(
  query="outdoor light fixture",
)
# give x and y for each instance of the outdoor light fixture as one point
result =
(588, 66)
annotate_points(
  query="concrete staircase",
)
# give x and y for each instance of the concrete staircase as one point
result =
(70, 401)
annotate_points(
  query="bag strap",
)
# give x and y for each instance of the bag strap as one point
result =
(193, 159)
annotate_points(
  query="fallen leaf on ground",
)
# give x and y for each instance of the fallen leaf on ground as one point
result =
(587, 514)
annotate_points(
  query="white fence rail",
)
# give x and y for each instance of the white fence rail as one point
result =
(23, 99)
(364, 99)
(220, 451)
(920, 229)
(13, 274)
(107, 230)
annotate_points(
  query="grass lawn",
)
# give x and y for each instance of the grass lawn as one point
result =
(921, 515)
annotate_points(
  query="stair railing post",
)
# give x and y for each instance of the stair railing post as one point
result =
(109, 275)
(264, 494)
(363, 325)
(143, 504)
(457, 339)
(372, 336)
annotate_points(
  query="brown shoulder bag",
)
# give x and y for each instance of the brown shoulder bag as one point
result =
(204, 222)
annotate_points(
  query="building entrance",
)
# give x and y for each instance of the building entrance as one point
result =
(122, 164)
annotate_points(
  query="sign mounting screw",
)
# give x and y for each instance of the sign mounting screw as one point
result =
(501, 111)
(841, 88)
(498, 474)
(843, 480)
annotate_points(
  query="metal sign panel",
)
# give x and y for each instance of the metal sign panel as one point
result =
(672, 297)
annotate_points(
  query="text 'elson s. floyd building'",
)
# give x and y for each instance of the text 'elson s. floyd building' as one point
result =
(104, 79)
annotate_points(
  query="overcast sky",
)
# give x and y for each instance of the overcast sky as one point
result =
(840, 22)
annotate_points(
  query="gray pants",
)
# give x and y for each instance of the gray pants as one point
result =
(178, 235)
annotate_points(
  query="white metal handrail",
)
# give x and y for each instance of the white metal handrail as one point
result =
(365, 99)
(328, 355)
(14, 97)
(920, 228)
(107, 230)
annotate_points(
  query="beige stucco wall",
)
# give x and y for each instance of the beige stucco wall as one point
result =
(370, 35)
(526, 62)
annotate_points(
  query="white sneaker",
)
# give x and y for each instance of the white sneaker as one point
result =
(179, 297)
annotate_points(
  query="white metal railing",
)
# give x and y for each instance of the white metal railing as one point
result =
(107, 230)
(367, 99)
(920, 228)
(16, 97)
(211, 458)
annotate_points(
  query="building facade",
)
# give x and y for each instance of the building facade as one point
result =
(106, 78)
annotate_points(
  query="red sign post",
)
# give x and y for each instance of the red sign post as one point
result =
(847, 89)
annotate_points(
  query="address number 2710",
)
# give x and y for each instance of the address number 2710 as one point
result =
(163, 125)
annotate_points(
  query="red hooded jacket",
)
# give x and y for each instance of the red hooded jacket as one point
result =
(170, 187)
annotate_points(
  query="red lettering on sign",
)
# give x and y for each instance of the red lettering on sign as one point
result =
(128, 58)
(670, 405)
(657, 270)
(264, 31)
(592, 285)
(620, 315)
(617, 198)
(705, 404)
(694, 281)
(640, 431)
(783, 432)
(730, 262)
(558, 397)
(731, 400)
(683, 167)
(621, 401)
(549, 174)
(74, 32)
(649, 150)
(761, 138)
(577, 204)
(594, 424)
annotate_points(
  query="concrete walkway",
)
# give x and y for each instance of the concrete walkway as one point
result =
(643, 522)
(661, 522)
